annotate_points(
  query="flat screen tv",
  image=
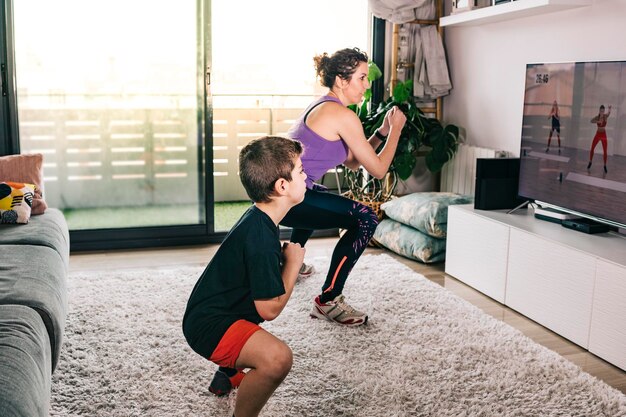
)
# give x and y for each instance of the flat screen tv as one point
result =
(573, 147)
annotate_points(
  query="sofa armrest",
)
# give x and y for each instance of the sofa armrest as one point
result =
(35, 277)
(25, 358)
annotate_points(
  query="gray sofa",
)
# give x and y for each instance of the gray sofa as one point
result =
(34, 261)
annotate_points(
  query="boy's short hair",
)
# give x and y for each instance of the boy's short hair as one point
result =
(264, 161)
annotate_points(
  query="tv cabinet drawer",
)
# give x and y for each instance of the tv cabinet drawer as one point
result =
(551, 284)
(608, 319)
(476, 252)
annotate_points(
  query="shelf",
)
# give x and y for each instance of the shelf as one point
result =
(512, 10)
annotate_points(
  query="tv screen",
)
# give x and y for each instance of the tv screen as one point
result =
(573, 147)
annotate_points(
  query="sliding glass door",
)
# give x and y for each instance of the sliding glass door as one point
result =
(140, 107)
(113, 93)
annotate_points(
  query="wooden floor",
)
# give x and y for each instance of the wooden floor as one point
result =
(200, 255)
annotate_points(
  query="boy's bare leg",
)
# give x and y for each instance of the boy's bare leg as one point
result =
(270, 360)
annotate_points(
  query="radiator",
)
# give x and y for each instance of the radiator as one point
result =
(459, 175)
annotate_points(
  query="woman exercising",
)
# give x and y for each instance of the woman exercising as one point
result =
(332, 134)
(600, 121)
(555, 119)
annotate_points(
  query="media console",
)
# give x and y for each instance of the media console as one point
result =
(572, 283)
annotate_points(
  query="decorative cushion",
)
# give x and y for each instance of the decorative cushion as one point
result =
(27, 168)
(16, 200)
(426, 212)
(409, 242)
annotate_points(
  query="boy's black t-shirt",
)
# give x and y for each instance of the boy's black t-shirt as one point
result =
(246, 267)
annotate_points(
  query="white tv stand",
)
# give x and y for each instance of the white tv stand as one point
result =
(568, 281)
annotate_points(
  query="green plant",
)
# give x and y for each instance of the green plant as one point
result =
(421, 136)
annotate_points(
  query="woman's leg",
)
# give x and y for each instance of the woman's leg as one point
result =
(596, 139)
(301, 236)
(603, 139)
(549, 139)
(323, 210)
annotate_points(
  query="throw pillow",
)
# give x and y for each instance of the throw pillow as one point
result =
(426, 212)
(410, 242)
(15, 202)
(26, 168)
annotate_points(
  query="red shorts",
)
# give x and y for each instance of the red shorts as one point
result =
(229, 348)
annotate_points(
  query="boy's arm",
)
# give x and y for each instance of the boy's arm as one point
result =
(270, 308)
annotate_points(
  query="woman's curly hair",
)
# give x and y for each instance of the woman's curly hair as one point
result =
(342, 63)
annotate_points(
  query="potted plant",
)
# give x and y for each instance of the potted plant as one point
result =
(421, 136)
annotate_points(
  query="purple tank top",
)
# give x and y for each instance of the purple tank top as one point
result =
(320, 154)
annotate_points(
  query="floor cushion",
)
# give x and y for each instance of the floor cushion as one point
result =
(409, 242)
(424, 211)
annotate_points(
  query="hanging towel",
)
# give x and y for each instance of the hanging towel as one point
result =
(436, 74)
(419, 67)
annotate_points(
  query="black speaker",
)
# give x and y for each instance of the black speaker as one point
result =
(496, 183)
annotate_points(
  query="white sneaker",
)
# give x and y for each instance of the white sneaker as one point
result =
(306, 271)
(338, 311)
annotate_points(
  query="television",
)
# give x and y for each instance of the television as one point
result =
(573, 145)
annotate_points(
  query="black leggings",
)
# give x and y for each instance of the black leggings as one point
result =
(324, 210)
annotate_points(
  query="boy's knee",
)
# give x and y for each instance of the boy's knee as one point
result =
(284, 361)
(280, 363)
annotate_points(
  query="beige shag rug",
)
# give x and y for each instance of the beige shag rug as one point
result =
(424, 352)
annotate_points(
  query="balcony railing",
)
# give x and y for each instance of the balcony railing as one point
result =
(136, 157)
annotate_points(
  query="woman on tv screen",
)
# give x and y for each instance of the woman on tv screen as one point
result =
(600, 120)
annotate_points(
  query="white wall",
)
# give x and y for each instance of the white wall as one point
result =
(487, 64)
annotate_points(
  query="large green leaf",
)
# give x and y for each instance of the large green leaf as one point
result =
(403, 164)
(373, 72)
(403, 91)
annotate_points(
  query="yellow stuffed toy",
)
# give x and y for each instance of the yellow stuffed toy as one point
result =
(16, 199)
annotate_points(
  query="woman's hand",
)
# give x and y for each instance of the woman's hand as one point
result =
(390, 119)
(397, 119)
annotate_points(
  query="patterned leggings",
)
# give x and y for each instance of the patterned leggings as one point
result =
(324, 210)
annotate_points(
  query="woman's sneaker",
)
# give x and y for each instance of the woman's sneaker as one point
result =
(306, 271)
(338, 311)
(222, 384)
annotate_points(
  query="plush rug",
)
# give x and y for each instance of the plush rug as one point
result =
(425, 352)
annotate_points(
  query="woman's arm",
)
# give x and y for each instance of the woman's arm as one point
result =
(362, 153)
(352, 163)
(383, 131)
